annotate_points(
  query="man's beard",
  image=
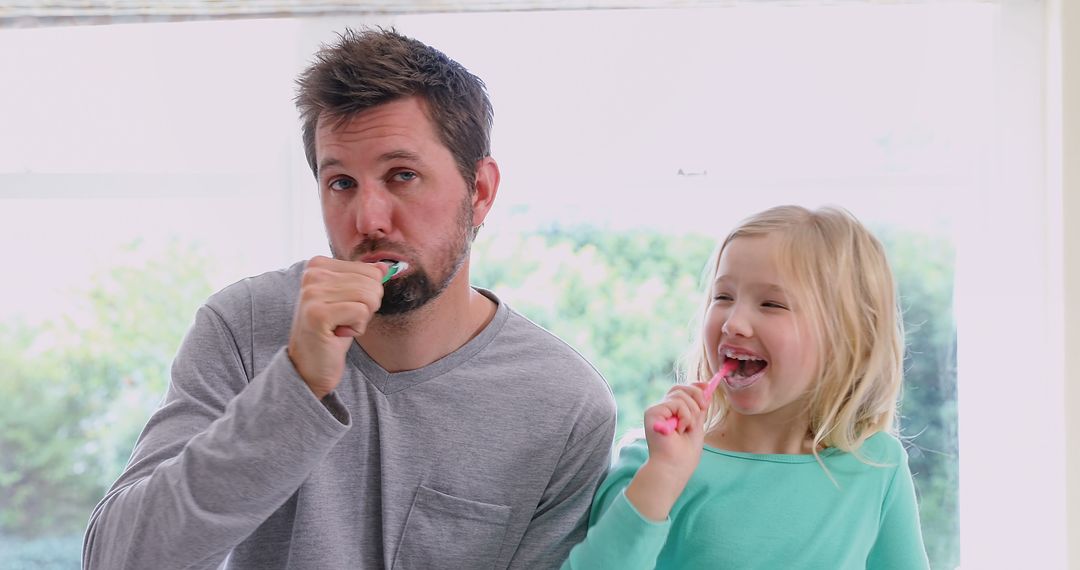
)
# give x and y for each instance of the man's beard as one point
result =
(415, 289)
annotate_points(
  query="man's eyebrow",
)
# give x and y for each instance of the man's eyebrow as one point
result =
(400, 155)
(328, 162)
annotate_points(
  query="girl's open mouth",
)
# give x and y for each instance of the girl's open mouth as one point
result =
(748, 369)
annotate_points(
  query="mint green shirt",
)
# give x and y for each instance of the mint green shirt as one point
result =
(750, 511)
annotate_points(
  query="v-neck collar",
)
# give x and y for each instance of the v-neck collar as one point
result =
(391, 382)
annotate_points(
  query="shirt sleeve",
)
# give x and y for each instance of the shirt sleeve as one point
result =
(619, 536)
(899, 545)
(215, 460)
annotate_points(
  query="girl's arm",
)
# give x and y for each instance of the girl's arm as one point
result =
(629, 522)
(899, 545)
(672, 457)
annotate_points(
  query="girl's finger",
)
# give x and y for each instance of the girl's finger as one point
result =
(693, 391)
(685, 409)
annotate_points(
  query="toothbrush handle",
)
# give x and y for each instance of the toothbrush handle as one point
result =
(665, 427)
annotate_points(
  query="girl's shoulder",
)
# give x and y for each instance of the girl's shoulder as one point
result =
(631, 449)
(883, 448)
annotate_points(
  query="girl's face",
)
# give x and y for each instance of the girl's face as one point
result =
(752, 318)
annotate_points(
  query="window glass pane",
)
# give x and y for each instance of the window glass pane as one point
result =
(153, 164)
(626, 158)
(141, 168)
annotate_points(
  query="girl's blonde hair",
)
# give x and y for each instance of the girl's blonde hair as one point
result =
(838, 275)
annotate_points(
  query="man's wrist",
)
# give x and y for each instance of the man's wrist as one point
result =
(319, 394)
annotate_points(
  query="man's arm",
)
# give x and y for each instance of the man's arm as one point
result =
(561, 519)
(218, 458)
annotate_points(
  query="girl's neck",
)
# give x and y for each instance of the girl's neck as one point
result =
(757, 434)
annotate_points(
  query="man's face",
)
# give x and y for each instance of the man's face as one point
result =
(390, 190)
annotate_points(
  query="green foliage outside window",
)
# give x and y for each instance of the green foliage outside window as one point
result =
(74, 394)
(628, 302)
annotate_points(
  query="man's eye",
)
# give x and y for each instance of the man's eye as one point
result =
(340, 184)
(404, 176)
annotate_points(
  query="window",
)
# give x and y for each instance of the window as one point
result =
(148, 165)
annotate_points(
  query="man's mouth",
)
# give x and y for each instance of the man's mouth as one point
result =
(382, 256)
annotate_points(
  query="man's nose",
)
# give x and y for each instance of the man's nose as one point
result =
(373, 211)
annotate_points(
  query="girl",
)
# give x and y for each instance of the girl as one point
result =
(793, 461)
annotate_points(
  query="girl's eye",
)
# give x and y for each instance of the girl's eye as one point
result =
(722, 297)
(773, 305)
(342, 184)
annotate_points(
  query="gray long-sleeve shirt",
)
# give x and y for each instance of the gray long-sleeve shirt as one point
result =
(487, 458)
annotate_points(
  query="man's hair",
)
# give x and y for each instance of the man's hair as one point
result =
(840, 279)
(367, 68)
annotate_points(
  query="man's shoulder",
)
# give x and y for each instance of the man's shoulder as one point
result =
(550, 361)
(542, 345)
(274, 291)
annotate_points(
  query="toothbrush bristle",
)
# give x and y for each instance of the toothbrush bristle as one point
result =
(393, 269)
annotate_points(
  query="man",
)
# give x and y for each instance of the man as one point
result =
(319, 418)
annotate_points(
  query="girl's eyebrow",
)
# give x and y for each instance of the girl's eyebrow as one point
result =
(771, 288)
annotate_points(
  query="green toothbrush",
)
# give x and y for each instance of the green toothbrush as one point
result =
(395, 268)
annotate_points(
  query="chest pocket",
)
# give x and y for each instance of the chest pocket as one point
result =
(447, 532)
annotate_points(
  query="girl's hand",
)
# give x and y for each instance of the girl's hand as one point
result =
(672, 457)
(679, 451)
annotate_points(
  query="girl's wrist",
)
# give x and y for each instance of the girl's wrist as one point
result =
(656, 487)
(674, 471)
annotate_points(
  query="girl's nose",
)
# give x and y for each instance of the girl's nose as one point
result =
(737, 323)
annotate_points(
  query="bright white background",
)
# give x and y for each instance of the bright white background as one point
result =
(931, 117)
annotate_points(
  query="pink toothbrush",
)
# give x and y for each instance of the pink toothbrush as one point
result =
(664, 427)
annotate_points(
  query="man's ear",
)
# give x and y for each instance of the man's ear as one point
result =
(487, 186)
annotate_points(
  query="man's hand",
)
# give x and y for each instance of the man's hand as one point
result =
(337, 301)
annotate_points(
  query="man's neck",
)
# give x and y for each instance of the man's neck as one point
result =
(416, 339)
